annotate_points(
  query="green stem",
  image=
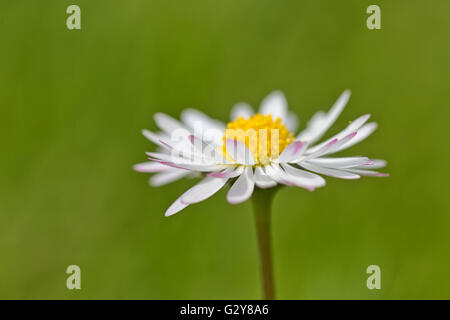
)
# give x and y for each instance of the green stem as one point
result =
(262, 202)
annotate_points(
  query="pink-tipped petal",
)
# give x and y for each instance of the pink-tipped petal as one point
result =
(363, 133)
(322, 150)
(153, 137)
(335, 147)
(376, 164)
(344, 162)
(352, 127)
(335, 173)
(293, 152)
(177, 206)
(167, 163)
(227, 173)
(369, 173)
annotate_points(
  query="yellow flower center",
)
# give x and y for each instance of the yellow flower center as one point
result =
(264, 137)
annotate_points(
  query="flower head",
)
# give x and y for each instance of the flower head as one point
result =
(258, 132)
(254, 150)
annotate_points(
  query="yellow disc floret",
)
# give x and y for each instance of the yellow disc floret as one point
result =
(264, 137)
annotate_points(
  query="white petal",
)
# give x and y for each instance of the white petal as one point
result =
(303, 178)
(177, 158)
(154, 137)
(330, 172)
(183, 148)
(193, 118)
(182, 164)
(168, 146)
(376, 164)
(332, 147)
(262, 180)
(293, 151)
(242, 189)
(274, 172)
(368, 173)
(312, 126)
(150, 167)
(177, 206)
(278, 174)
(166, 123)
(227, 173)
(167, 177)
(320, 151)
(338, 145)
(203, 126)
(352, 127)
(239, 152)
(362, 134)
(275, 104)
(322, 122)
(241, 109)
(203, 190)
(345, 162)
(207, 150)
(291, 122)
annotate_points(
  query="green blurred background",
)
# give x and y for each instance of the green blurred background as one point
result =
(73, 104)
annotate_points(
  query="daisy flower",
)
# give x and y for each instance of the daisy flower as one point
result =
(254, 153)
(254, 150)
